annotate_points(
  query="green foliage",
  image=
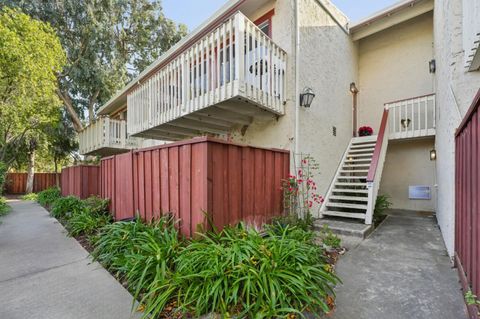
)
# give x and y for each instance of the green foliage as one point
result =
(294, 220)
(244, 273)
(106, 42)
(96, 205)
(65, 207)
(471, 299)
(30, 58)
(115, 242)
(4, 208)
(328, 238)
(85, 222)
(381, 205)
(48, 196)
(30, 196)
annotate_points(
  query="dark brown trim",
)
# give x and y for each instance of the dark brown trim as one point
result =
(266, 17)
(378, 147)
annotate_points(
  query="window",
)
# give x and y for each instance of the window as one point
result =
(265, 22)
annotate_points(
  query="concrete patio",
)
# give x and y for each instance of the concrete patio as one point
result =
(45, 274)
(402, 271)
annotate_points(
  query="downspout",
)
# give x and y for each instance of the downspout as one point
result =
(297, 74)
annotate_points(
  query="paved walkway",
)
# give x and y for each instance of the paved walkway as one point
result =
(44, 274)
(401, 271)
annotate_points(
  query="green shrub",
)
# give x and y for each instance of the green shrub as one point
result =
(4, 208)
(116, 241)
(153, 255)
(381, 205)
(30, 196)
(244, 273)
(84, 222)
(96, 205)
(328, 238)
(65, 207)
(294, 220)
(49, 196)
(3, 175)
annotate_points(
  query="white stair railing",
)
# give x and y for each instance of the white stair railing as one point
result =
(412, 117)
(376, 167)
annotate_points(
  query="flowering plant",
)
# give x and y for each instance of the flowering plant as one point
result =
(365, 131)
(300, 190)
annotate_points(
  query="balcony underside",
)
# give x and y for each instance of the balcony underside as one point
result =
(106, 151)
(412, 134)
(216, 119)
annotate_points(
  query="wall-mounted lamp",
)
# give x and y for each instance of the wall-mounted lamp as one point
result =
(433, 155)
(306, 97)
(353, 88)
(432, 66)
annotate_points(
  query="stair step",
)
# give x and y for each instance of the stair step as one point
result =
(346, 165)
(351, 177)
(364, 151)
(344, 214)
(354, 171)
(364, 139)
(349, 198)
(362, 146)
(358, 156)
(350, 184)
(345, 205)
(346, 190)
(366, 160)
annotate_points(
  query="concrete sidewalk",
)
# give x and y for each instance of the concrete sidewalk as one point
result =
(402, 271)
(45, 274)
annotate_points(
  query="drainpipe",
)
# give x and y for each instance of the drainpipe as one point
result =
(297, 74)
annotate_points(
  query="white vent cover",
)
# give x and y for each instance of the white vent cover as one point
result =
(419, 192)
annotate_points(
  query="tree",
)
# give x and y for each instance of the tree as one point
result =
(31, 56)
(107, 43)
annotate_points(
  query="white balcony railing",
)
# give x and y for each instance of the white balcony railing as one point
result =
(411, 118)
(235, 59)
(106, 133)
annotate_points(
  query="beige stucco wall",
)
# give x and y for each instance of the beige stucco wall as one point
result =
(455, 91)
(327, 64)
(408, 163)
(393, 65)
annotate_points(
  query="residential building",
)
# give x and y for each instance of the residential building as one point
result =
(409, 72)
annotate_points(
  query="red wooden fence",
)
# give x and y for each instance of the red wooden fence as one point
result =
(16, 183)
(189, 179)
(81, 181)
(467, 201)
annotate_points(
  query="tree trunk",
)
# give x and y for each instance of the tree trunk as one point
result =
(57, 178)
(30, 171)
(91, 106)
(67, 101)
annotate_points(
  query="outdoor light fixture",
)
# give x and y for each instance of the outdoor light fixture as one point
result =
(433, 155)
(306, 97)
(353, 88)
(432, 66)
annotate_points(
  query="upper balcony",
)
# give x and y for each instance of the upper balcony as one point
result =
(412, 118)
(106, 137)
(228, 77)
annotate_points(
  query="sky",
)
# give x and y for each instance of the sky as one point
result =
(194, 12)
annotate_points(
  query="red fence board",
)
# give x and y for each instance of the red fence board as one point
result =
(189, 179)
(16, 183)
(467, 221)
(82, 181)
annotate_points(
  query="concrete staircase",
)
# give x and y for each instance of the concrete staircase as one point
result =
(348, 193)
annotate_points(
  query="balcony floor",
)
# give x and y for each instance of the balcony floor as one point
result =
(215, 119)
(107, 151)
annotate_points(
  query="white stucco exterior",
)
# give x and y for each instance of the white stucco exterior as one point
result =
(455, 91)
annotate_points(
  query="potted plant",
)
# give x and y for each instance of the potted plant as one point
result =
(365, 131)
